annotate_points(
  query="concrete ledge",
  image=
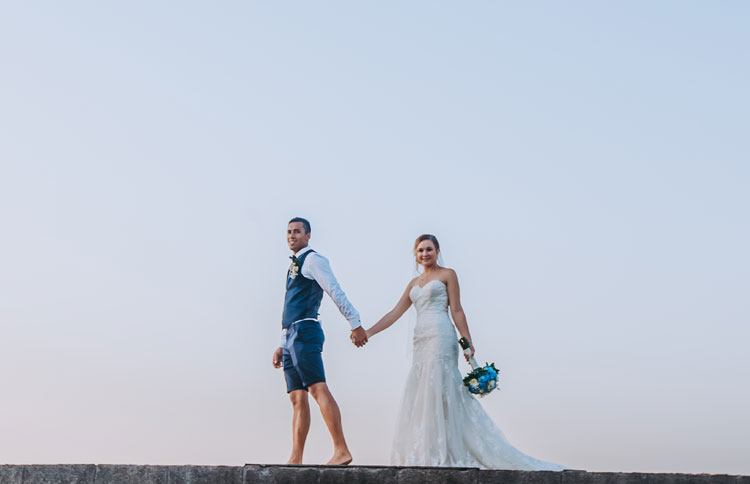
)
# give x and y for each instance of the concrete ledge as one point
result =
(279, 474)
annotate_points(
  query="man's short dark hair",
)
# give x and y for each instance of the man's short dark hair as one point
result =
(304, 222)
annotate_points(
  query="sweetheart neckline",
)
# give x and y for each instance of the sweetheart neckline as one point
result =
(429, 282)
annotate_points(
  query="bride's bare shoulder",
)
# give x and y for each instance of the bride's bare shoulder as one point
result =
(411, 283)
(447, 274)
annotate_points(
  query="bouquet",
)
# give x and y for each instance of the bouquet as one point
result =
(481, 380)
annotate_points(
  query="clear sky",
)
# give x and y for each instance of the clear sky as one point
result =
(584, 164)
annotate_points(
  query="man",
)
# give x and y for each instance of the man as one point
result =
(302, 341)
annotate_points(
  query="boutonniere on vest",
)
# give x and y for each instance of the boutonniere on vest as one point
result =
(294, 267)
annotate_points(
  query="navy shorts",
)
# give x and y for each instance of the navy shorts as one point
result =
(305, 366)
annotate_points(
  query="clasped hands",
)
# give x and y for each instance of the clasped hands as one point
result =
(359, 337)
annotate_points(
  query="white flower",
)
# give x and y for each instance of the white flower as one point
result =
(293, 270)
(491, 385)
(473, 382)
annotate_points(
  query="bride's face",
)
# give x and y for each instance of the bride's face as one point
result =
(426, 253)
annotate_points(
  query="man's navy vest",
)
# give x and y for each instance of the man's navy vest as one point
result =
(303, 295)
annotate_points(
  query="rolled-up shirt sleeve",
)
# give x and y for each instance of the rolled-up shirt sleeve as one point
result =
(317, 267)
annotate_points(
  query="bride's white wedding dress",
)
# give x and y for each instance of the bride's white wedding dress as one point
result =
(440, 423)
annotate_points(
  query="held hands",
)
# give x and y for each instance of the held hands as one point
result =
(358, 337)
(278, 357)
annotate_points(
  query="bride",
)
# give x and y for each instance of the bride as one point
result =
(440, 423)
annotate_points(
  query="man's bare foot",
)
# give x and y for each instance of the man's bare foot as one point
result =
(293, 461)
(340, 459)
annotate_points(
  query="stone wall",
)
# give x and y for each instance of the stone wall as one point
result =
(263, 474)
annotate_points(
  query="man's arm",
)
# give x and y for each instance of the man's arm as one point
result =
(317, 267)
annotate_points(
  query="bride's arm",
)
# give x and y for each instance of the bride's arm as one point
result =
(386, 321)
(457, 312)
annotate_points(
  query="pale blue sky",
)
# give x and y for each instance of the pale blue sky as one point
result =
(584, 164)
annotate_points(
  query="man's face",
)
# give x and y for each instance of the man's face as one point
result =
(296, 236)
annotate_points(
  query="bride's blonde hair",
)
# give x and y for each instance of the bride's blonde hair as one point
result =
(422, 238)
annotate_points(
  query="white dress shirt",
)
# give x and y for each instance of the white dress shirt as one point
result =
(318, 268)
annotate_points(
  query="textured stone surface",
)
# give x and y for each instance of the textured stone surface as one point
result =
(417, 475)
(275, 474)
(59, 474)
(519, 477)
(691, 479)
(11, 474)
(121, 474)
(204, 475)
(358, 475)
(582, 477)
(260, 474)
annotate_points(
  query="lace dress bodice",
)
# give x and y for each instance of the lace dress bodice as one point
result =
(434, 334)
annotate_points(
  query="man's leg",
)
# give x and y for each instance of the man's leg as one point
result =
(301, 418)
(300, 424)
(332, 416)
